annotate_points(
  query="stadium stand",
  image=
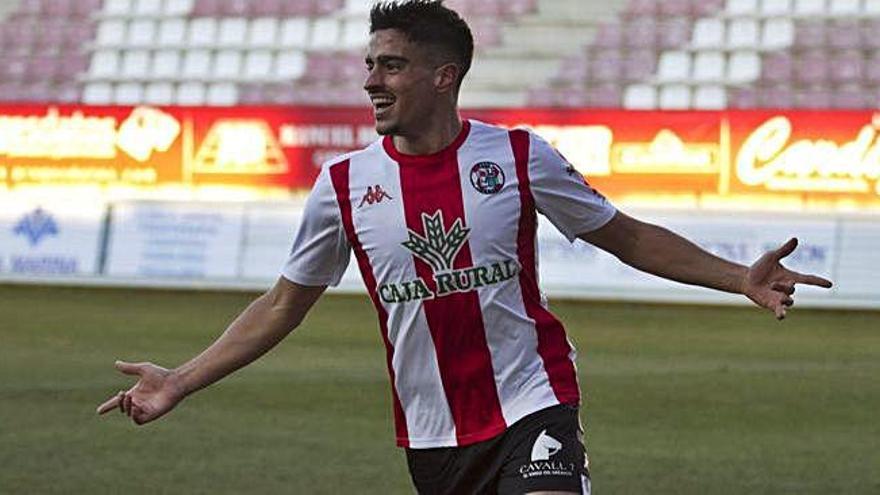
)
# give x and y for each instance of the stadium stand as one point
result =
(637, 54)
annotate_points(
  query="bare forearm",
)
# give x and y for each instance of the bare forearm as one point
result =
(260, 327)
(256, 330)
(661, 252)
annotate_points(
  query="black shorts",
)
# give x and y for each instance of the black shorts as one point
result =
(543, 451)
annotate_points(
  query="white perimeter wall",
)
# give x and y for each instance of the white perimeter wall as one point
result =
(242, 246)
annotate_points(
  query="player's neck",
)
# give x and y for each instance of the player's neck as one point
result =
(435, 137)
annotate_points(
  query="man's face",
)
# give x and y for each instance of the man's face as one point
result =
(400, 82)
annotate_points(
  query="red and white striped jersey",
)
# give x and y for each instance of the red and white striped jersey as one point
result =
(446, 245)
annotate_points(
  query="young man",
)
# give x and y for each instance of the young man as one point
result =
(441, 216)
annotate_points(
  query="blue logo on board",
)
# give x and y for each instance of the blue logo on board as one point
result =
(35, 226)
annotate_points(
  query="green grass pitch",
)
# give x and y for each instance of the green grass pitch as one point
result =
(679, 400)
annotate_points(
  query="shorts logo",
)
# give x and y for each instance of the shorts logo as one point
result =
(487, 177)
(545, 447)
(541, 463)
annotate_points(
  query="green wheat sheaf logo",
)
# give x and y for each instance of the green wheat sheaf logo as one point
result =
(438, 247)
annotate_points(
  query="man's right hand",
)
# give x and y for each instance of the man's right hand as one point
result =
(156, 392)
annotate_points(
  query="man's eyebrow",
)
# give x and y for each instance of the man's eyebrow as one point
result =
(384, 59)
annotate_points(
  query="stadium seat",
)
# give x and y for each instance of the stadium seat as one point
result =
(141, 32)
(776, 7)
(111, 33)
(777, 33)
(742, 7)
(850, 98)
(148, 8)
(814, 98)
(709, 66)
(707, 8)
(290, 65)
(177, 8)
(166, 64)
(743, 33)
(190, 93)
(812, 68)
(869, 30)
(781, 97)
(641, 33)
(607, 66)
(604, 96)
(675, 8)
(324, 34)
(710, 98)
(222, 94)
(845, 34)
(258, 64)
(83, 9)
(67, 92)
(197, 64)
(674, 66)
(159, 93)
(848, 67)
(709, 33)
(263, 32)
(98, 93)
(227, 64)
(295, 33)
(202, 32)
(641, 8)
(573, 70)
(135, 64)
(810, 35)
(42, 68)
(845, 7)
(609, 35)
(236, 8)
(872, 69)
(809, 7)
(117, 8)
(777, 68)
(104, 64)
(172, 32)
(744, 66)
(639, 65)
(128, 93)
(640, 97)
(355, 34)
(674, 33)
(675, 97)
(744, 98)
(232, 31)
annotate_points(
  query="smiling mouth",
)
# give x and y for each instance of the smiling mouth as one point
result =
(381, 104)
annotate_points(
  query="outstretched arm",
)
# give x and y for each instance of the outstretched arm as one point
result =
(263, 324)
(658, 251)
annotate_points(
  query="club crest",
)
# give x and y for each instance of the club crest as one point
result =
(487, 177)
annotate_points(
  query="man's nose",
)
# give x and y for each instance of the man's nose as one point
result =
(373, 80)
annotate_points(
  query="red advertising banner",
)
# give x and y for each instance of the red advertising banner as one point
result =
(826, 160)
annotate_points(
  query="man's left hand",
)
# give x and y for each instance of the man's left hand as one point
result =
(770, 285)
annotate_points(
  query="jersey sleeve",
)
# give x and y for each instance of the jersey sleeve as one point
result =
(320, 251)
(562, 194)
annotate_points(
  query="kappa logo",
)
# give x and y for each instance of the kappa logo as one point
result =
(35, 226)
(487, 177)
(375, 194)
(545, 447)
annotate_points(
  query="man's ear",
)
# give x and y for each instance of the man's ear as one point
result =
(446, 77)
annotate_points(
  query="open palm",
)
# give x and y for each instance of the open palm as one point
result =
(155, 393)
(770, 285)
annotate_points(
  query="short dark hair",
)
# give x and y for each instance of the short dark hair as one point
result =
(428, 22)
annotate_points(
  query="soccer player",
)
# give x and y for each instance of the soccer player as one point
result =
(441, 216)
